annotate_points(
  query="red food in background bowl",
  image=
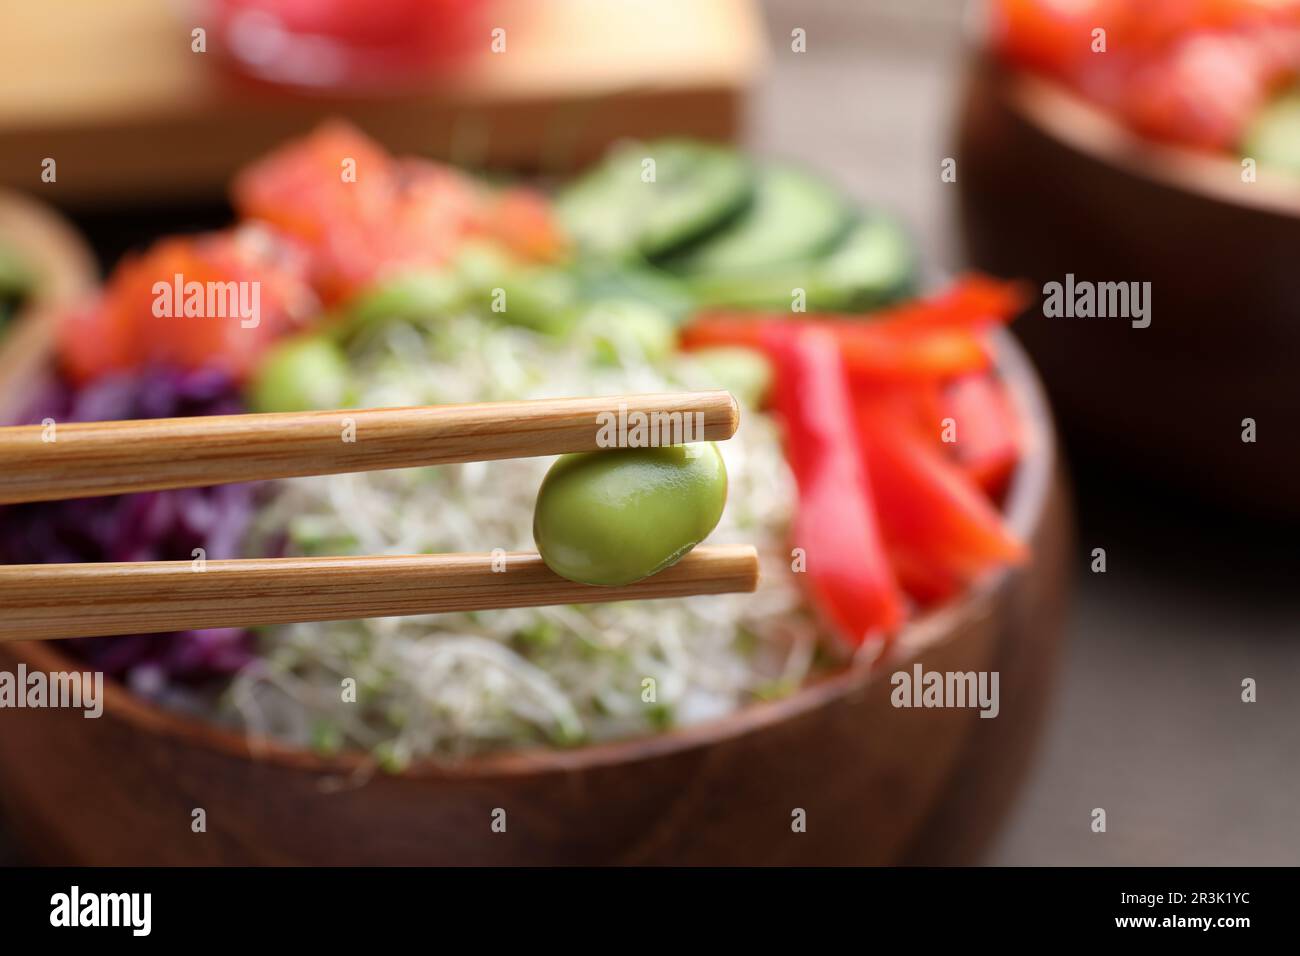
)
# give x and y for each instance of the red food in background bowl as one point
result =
(347, 43)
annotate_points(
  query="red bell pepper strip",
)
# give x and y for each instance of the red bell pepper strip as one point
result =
(847, 572)
(971, 418)
(938, 337)
(939, 528)
(923, 404)
(988, 437)
(868, 350)
(972, 302)
(924, 581)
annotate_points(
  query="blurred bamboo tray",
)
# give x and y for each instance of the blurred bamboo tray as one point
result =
(114, 94)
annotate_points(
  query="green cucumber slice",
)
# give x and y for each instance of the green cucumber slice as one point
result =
(614, 211)
(873, 265)
(793, 216)
(636, 282)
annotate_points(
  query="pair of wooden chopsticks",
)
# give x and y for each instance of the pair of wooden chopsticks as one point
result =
(42, 463)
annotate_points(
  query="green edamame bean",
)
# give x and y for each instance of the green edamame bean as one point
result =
(541, 298)
(413, 297)
(743, 372)
(301, 375)
(614, 517)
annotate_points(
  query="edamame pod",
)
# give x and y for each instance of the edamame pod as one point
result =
(301, 375)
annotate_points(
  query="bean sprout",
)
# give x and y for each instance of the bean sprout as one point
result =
(452, 685)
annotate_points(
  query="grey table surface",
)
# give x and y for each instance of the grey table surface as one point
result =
(1147, 721)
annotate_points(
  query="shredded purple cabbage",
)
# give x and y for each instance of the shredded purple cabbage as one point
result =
(152, 526)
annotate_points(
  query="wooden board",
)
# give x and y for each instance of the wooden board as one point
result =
(113, 93)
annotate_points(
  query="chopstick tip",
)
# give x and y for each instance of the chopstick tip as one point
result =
(733, 415)
(747, 568)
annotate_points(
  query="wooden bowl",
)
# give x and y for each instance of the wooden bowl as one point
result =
(877, 784)
(1049, 185)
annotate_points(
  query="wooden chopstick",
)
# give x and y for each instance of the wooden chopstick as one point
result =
(72, 460)
(94, 600)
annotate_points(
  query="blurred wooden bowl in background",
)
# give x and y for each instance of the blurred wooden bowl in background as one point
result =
(1050, 186)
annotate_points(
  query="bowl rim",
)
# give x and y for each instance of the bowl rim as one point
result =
(1025, 508)
(1069, 119)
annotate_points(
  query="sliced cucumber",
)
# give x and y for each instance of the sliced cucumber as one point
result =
(649, 199)
(1273, 138)
(875, 264)
(871, 266)
(793, 216)
(639, 283)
